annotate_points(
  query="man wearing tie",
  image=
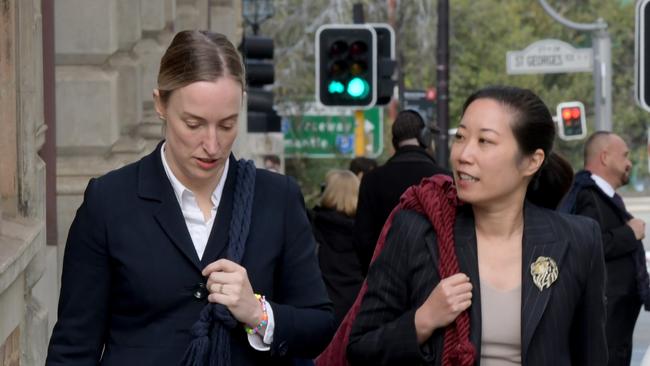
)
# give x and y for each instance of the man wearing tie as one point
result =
(607, 167)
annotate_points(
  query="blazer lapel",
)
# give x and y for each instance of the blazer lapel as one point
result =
(540, 240)
(219, 235)
(465, 239)
(154, 184)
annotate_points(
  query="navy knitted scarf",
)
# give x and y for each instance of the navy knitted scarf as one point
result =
(583, 180)
(210, 343)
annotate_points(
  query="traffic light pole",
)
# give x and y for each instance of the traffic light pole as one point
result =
(602, 71)
(358, 17)
(359, 133)
(442, 141)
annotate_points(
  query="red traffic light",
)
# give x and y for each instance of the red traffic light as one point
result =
(431, 94)
(575, 112)
(572, 122)
(570, 113)
(358, 48)
(338, 48)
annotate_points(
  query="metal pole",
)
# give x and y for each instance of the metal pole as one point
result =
(602, 72)
(358, 17)
(209, 9)
(359, 133)
(442, 144)
(394, 103)
(570, 24)
(602, 46)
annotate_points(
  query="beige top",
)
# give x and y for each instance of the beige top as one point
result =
(501, 326)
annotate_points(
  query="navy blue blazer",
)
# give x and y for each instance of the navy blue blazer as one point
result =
(131, 272)
(561, 325)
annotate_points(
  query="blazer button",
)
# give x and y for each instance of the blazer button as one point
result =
(283, 348)
(200, 292)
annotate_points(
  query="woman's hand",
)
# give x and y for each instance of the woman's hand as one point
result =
(447, 300)
(228, 284)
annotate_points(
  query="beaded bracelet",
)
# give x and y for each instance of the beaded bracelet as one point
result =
(265, 317)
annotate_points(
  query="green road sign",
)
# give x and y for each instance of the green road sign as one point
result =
(329, 132)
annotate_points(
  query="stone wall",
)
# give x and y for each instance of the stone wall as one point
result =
(107, 60)
(10, 350)
(23, 320)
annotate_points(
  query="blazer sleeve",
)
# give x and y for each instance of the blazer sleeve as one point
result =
(588, 339)
(79, 334)
(384, 330)
(617, 241)
(303, 313)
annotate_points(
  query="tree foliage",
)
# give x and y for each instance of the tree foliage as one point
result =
(481, 32)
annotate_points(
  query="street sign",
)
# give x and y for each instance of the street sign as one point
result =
(423, 102)
(549, 56)
(329, 132)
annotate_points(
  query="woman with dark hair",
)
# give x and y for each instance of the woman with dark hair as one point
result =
(333, 224)
(480, 272)
(190, 256)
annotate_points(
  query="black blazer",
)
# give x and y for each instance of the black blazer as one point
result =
(619, 242)
(561, 325)
(130, 272)
(380, 191)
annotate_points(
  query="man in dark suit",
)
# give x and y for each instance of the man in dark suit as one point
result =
(607, 167)
(382, 187)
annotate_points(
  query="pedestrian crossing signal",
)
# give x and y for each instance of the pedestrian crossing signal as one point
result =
(571, 120)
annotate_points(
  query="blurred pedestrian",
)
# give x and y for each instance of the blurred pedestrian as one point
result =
(333, 223)
(362, 165)
(482, 272)
(272, 162)
(607, 167)
(382, 187)
(190, 254)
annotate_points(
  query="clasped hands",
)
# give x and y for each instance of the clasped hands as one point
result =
(228, 284)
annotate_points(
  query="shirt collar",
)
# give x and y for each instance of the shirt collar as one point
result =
(603, 185)
(179, 188)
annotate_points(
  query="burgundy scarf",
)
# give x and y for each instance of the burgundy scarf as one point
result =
(436, 198)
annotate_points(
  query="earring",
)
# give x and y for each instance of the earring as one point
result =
(162, 118)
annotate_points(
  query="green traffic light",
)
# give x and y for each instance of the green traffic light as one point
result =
(358, 88)
(335, 87)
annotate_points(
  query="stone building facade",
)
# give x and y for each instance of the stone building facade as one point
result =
(23, 317)
(104, 63)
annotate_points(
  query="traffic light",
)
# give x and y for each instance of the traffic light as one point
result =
(346, 65)
(642, 59)
(385, 62)
(258, 60)
(571, 119)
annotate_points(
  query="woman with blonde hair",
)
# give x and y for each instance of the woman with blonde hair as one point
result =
(191, 256)
(333, 224)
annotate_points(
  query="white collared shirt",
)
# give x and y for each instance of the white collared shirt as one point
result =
(603, 185)
(200, 229)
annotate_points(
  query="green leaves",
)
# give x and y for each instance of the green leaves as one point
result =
(481, 32)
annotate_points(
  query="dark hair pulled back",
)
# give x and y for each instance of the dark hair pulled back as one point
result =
(533, 128)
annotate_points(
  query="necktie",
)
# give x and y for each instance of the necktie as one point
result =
(618, 201)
